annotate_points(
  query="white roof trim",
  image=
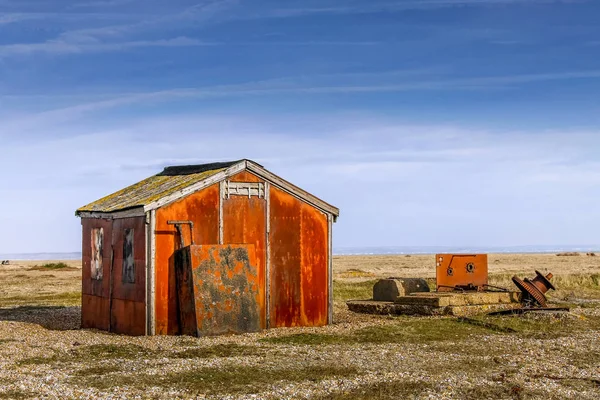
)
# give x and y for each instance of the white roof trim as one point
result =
(131, 213)
(292, 189)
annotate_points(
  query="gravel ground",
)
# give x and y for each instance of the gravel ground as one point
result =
(492, 365)
(44, 354)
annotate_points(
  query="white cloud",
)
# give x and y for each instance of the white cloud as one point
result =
(65, 47)
(394, 182)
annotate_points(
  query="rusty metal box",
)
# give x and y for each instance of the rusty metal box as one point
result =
(218, 290)
(461, 271)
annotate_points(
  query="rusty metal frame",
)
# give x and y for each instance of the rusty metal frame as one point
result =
(134, 212)
(330, 269)
(221, 197)
(178, 228)
(268, 256)
(150, 273)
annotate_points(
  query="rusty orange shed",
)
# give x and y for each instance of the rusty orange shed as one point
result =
(130, 239)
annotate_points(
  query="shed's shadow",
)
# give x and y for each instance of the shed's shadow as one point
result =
(56, 318)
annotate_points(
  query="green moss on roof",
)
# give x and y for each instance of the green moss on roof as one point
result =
(147, 191)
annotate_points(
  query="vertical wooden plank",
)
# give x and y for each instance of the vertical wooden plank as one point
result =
(244, 222)
(221, 197)
(268, 255)
(152, 275)
(203, 209)
(286, 259)
(314, 266)
(330, 268)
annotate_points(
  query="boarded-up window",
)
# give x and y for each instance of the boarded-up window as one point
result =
(128, 258)
(97, 252)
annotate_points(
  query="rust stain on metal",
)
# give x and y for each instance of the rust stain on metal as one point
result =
(219, 290)
(121, 244)
(244, 221)
(299, 262)
(461, 272)
(245, 176)
(203, 209)
(314, 271)
(534, 290)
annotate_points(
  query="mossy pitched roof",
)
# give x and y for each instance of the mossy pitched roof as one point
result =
(169, 181)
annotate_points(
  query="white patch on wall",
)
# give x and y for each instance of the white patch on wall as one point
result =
(97, 252)
(128, 257)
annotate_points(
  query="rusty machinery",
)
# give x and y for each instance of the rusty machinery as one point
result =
(534, 290)
(461, 272)
(180, 233)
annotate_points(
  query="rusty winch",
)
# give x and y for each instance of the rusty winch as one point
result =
(534, 290)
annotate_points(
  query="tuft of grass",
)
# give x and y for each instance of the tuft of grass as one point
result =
(543, 326)
(3, 341)
(344, 291)
(16, 395)
(52, 267)
(383, 391)
(309, 339)
(98, 370)
(111, 351)
(219, 351)
(62, 299)
(102, 352)
(356, 273)
(97, 352)
(235, 379)
(403, 330)
(419, 330)
(39, 360)
(504, 391)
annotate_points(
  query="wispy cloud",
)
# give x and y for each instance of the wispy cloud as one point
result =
(409, 81)
(102, 3)
(395, 6)
(428, 170)
(66, 47)
(115, 37)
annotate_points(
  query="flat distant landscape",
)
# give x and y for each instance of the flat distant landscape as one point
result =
(44, 354)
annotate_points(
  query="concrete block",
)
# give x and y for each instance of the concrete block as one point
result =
(446, 299)
(390, 289)
(389, 308)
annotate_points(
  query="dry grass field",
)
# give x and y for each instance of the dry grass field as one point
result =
(44, 354)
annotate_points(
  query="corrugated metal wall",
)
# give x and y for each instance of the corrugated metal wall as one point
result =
(244, 221)
(298, 247)
(203, 209)
(126, 312)
(299, 262)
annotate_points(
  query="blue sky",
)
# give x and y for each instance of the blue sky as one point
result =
(434, 123)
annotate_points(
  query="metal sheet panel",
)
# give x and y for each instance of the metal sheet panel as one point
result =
(203, 209)
(315, 278)
(95, 287)
(244, 221)
(245, 176)
(128, 317)
(94, 312)
(286, 259)
(219, 290)
(132, 291)
(461, 270)
(298, 248)
(98, 309)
